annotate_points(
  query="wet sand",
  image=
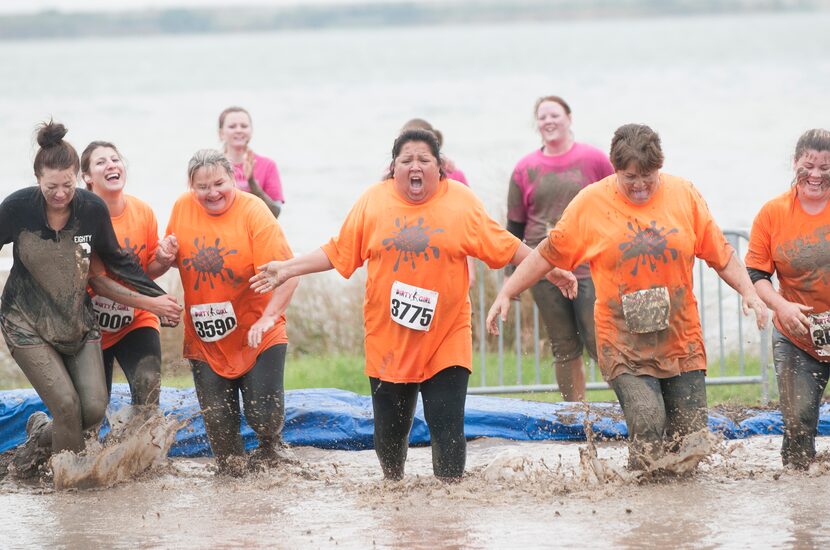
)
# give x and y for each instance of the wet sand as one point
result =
(515, 494)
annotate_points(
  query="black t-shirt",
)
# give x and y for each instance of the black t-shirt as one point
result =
(46, 288)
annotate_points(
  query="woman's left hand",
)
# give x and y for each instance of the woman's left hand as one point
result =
(565, 280)
(263, 325)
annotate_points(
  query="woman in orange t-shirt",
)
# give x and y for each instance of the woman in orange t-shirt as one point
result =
(640, 230)
(234, 337)
(129, 334)
(414, 231)
(789, 238)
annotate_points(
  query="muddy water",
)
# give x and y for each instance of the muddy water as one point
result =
(516, 494)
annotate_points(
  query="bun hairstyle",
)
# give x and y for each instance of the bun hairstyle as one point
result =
(54, 153)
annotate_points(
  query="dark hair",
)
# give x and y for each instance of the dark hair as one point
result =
(54, 152)
(232, 109)
(817, 139)
(421, 124)
(424, 136)
(86, 156)
(636, 143)
(554, 99)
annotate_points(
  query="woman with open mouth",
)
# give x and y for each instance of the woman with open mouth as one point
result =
(129, 334)
(789, 239)
(414, 232)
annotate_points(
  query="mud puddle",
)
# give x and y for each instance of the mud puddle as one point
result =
(515, 494)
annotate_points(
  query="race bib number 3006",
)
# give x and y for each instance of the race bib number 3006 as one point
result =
(412, 307)
(111, 316)
(213, 321)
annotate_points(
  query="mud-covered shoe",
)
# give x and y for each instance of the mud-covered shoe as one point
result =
(29, 457)
(270, 456)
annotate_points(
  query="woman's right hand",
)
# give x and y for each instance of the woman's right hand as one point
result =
(270, 276)
(499, 309)
(166, 306)
(167, 249)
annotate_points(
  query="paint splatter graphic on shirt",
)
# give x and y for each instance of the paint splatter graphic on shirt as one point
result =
(133, 250)
(411, 241)
(647, 245)
(810, 255)
(208, 262)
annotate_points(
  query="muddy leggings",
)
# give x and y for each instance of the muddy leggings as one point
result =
(444, 396)
(71, 386)
(659, 412)
(801, 383)
(139, 355)
(263, 397)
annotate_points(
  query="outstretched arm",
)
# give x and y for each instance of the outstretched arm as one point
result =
(275, 273)
(533, 268)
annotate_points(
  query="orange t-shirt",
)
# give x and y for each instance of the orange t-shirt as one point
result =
(137, 231)
(635, 247)
(414, 251)
(788, 241)
(217, 255)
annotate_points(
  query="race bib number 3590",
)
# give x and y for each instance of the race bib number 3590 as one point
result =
(213, 321)
(412, 307)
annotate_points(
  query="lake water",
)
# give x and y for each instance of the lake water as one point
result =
(728, 94)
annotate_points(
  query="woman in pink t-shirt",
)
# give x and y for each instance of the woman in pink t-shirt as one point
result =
(253, 173)
(543, 183)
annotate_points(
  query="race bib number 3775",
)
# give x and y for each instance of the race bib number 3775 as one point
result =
(213, 321)
(412, 307)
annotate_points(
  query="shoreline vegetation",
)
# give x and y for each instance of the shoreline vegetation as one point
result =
(58, 24)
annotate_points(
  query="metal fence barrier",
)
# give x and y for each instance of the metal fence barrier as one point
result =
(719, 307)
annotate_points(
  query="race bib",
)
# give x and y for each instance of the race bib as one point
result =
(411, 306)
(213, 321)
(646, 310)
(111, 316)
(820, 332)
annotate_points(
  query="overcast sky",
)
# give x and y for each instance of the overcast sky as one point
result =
(28, 6)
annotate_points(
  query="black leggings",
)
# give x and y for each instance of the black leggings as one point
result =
(139, 354)
(444, 396)
(263, 396)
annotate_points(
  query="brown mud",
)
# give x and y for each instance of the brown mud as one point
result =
(514, 494)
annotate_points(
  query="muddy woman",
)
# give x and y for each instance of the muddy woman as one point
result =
(129, 334)
(641, 252)
(789, 239)
(541, 186)
(414, 231)
(234, 338)
(46, 315)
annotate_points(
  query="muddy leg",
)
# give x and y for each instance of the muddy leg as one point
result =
(219, 400)
(87, 371)
(139, 354)
(686, 410)
(801, 383)
(264, 397)
(559, 316)
(444, 396)
(645, 417)
(394, 411)
(46, 371)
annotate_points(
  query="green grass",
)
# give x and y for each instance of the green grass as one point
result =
(346, 372)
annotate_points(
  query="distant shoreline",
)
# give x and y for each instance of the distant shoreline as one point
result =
(53, 24)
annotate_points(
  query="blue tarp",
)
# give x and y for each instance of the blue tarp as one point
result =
(337, 419)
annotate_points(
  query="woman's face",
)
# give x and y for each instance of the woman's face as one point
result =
(58, 187)
(812, 174)
(416, 171)
(637, 187)
(214, 189)
(553, 123)
(236, 130)
(106, 171)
